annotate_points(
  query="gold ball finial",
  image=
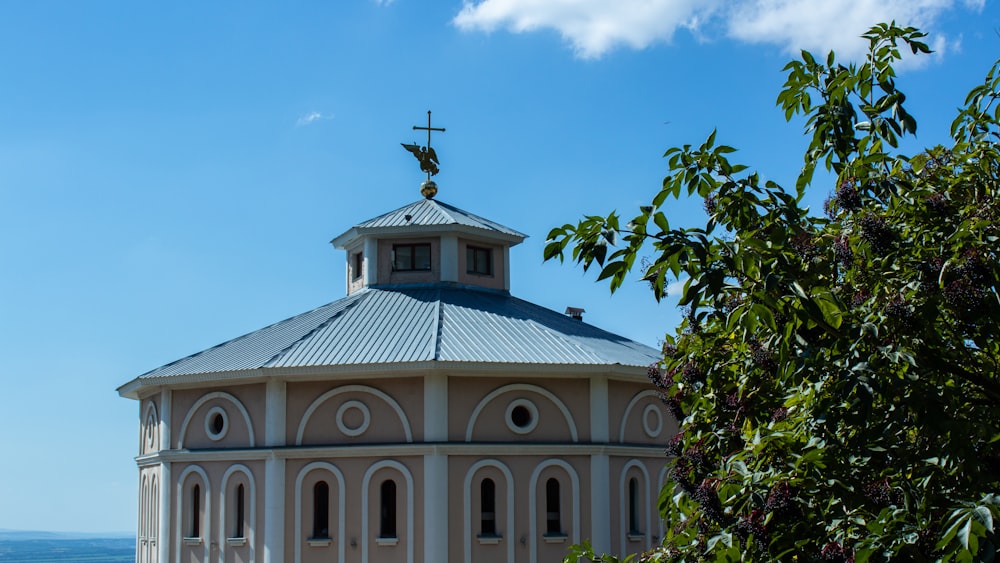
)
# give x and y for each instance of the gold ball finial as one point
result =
(428, 189)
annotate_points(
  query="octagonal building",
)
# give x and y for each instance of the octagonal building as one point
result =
(428, 416)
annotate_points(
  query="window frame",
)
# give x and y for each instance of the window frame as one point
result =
(387, 528)
(473, 254)
(488, 508)
(412, 265)
(321, 511)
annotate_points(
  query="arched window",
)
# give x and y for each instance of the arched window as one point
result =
(633, 506)
(196, 511)
(387, 520)
(488, 507)
(238, 530)
(321, 510)
(553, 524)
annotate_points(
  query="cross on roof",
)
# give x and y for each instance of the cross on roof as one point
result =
(426, 156)
(428, 129)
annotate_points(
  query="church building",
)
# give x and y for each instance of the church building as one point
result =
(429, 416)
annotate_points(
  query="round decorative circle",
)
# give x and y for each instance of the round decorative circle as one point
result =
(652, 421)
(150, 431)
(216, 423)
(347, 418)
(521, 416)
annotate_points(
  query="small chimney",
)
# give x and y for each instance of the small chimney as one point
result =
(575, 312)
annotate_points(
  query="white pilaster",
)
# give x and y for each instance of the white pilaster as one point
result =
(166, 480)
(449, 258)
(274, 409)
(274, 472)
(163, 534)
(371, 261)
(274, 510)
(600, 467)
(506, 268)
(436, 469)
(166, 398)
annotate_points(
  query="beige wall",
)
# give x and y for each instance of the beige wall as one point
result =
(392, 405)
(387, 276)
(493, 281)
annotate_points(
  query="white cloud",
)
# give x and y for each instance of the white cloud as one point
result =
(312, 117)
(594, 27)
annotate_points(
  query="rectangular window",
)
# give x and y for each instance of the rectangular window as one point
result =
(359, 262)
(411, 257)
(479, 260)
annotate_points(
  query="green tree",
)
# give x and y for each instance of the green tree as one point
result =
(836, 378)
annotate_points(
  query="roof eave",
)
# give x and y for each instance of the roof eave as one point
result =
(344, 240)
(133, 389)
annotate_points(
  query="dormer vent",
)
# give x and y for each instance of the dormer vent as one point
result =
(576, 312)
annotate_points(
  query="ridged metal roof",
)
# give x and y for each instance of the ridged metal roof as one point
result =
(429, 214)
(417, 323)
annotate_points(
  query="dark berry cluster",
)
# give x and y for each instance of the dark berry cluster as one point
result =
(900, 311)
(848, 197)
(937, 203)
(837, 553)
(675, 445)
(779, 500)
(779, 414)
(692, 373)
(881, 494)
(711, 204)
(673, 404)
(842, 251)
(876, 232)
(656, 377)
(734, 402)
(752, 525)
(973, 267)
(929, 271)
(964, 296)
(707, 496)
(804, 245)
(762, 357)
(860, 297)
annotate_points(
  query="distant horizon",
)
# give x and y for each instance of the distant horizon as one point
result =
(66, 534)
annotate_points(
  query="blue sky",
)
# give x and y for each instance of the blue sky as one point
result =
(171, 173)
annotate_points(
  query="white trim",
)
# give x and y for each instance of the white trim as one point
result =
(210, 427)
(365, 506)
(448, 248)
(274, 510)
(163, 538)
(652, 432)
(366, 418)
(208, 397)
(342, 451)
(275, 405)
(341, 508)
(628, 410)
(532, 416)
(623, 502)
(224, 538)
(346, 389)
(600, 503)
(521, 387)
(467, 505)
(533, 503)
(206, 520)
(385, 370)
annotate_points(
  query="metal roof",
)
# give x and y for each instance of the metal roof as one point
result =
(444, 322)
(429, 215)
